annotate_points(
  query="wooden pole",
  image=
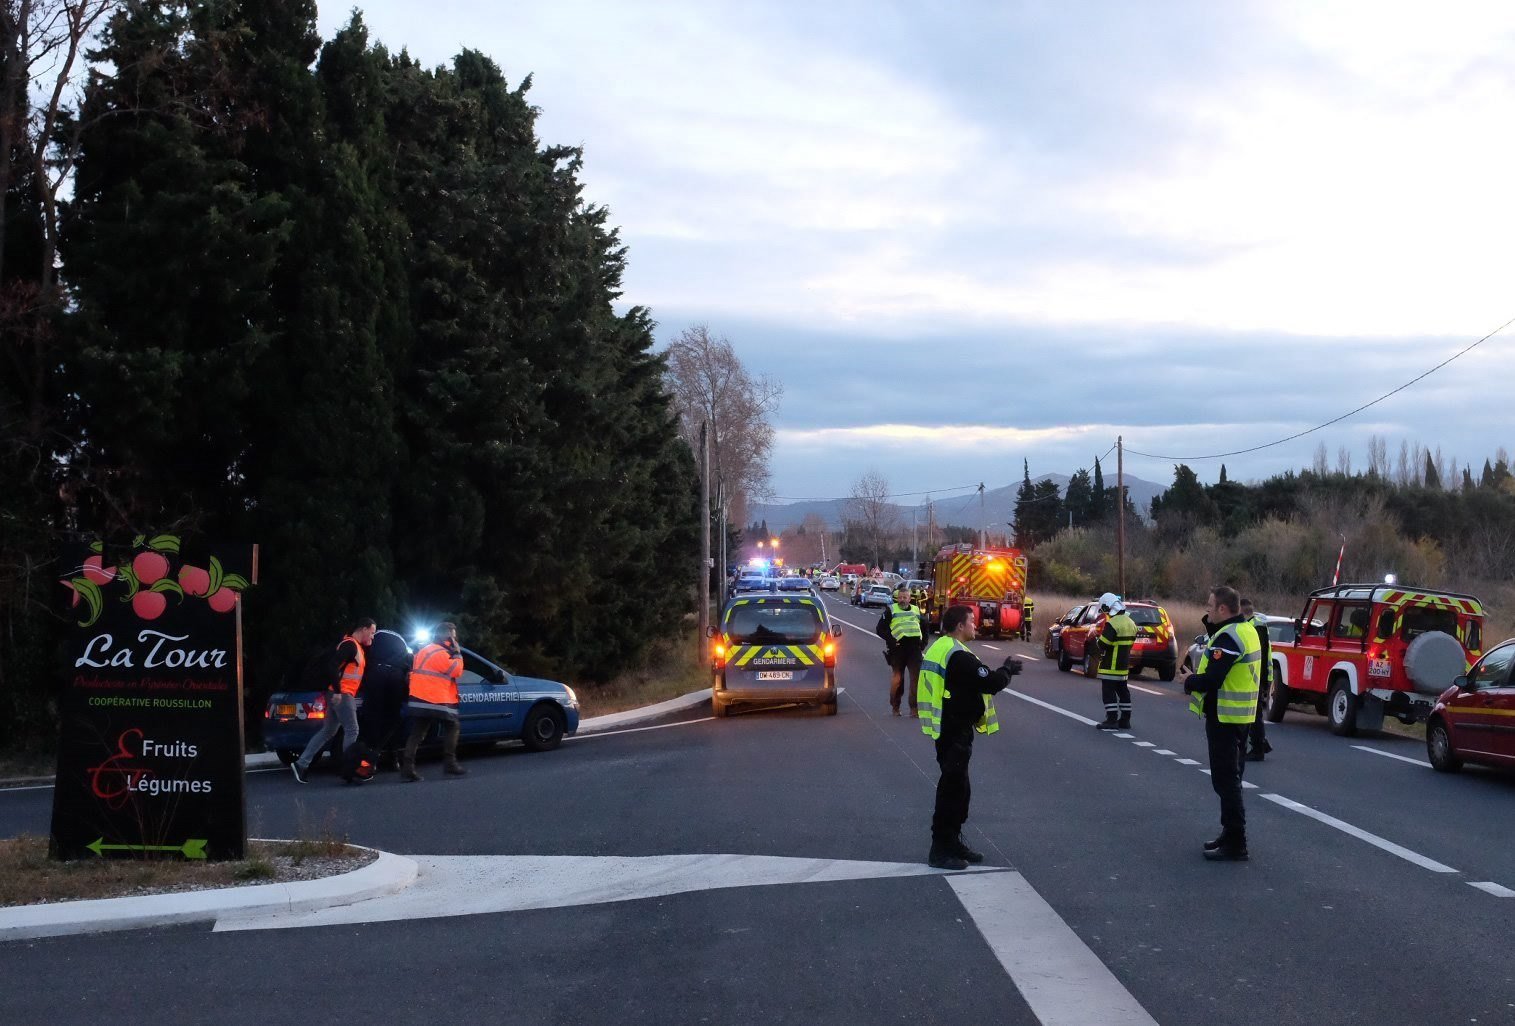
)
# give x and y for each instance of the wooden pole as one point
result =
(704, 537)
(1120, 516)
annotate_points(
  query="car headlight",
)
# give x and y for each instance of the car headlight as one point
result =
(573, 698)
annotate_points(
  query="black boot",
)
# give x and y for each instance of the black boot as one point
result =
(943, 856)
(1231, 848)
(450, 764)
(1212, 845)
(967, 854)
(1109, 723)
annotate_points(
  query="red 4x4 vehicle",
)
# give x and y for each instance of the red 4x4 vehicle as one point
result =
(1155, 644)
(1363, 650)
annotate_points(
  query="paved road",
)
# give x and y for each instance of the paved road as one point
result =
(1361, 908)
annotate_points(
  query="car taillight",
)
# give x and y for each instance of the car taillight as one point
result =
(718, 654)
(828, 654)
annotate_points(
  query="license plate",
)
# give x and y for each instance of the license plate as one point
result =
(775, 675)
(284, 710)
(1380, 668)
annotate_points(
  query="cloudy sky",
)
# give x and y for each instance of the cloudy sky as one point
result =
(965, 234)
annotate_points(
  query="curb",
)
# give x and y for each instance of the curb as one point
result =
(389, 874)
(612, 721)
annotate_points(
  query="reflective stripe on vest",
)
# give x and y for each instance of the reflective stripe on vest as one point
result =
(1236, 701)
(352, 673)
(904, 622)
(1117, 655)
(931, 689)
(434, 676)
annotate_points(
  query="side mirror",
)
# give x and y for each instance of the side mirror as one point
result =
(1461, 681)
(833, 628)
(710, 631)
(1199, 639)
(498, 677)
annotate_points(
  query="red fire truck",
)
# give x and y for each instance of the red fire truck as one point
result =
(1363, 650)
(991, 582)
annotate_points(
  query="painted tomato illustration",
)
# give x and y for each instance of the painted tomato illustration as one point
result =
(149, 605)
(150, 567)
(224, 600)
(97, 572)
(194, 580)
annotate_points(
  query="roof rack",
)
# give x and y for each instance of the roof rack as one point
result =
(1374, 587)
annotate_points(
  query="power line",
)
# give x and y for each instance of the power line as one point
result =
(890, 495)
(1334, 420)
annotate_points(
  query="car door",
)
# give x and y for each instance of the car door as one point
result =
(1482, 714)
(486, 699)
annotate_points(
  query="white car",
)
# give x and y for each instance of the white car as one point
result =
(1280, 628)
(875, 595)
(828, 584)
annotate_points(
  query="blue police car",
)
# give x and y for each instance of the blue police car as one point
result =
(493, 705)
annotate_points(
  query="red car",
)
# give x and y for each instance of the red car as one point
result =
(1155, 645)
(1474, 719)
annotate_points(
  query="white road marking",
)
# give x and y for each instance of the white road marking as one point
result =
(1493, 888)
(1163, 751)
(1148, 691)
(987, 645)
(1126, 736)
(638, 730)
(1029, 658)
(1248, 785)
(1187, 762)
(1392, 755)
(456, 885)
(1053, 708)
(1063, 982)
(1143, 744)
(1362, 835)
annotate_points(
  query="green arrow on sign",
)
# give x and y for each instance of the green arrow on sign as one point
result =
(191, 849)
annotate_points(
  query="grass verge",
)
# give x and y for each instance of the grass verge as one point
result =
(673, 669)
(29, 877)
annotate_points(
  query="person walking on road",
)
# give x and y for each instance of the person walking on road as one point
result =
(956, 700)
(434, 699)
(383, 692)
(1028, 611)
(903, 628)
(1224, 692)
(341, 697)
(1114, 667)
(1257, 734)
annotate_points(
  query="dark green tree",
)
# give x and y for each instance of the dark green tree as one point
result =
(1078, 497)
(1099, 505)
(1431, 474)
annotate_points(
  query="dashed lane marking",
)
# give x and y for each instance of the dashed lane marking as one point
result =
(638, 730)
(1063, 982)
(1143, 744)
(1162, 751)
(1126, 736)
(1493, 888)
(1030, 658)
(1362, 835)
(987, 645)
(1392, 755)
(1050, 707)
(1149, 691)
(1187, 762)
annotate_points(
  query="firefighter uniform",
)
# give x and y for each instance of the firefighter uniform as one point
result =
(434, 699)
(1224, 692)
(1028, 609)
(956, 701)
(1115, 643)
(902, 628)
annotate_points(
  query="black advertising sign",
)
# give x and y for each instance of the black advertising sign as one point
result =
(150, 759)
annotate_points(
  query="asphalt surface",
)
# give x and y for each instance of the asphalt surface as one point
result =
(1323, 925)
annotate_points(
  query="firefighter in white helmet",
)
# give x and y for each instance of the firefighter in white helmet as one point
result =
(1114, 650)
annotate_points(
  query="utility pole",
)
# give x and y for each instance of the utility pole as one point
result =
(983, 519)
(704, 537)
(720, 501)
(915, 551)
(1120, 516)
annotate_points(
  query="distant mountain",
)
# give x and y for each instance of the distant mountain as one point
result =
(960, 510)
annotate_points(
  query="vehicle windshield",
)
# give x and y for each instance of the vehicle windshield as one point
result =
(760, 622)
(1145, 616)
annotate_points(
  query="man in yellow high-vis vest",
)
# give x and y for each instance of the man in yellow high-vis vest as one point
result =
(903, 631)
(955, 697)
(1225, 693)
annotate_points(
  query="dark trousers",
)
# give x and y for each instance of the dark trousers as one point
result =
(953, 751)
(419, 723)
(1257, 734)
(1117, 696)
(379, 719)
(1227, 743)
(905, 671)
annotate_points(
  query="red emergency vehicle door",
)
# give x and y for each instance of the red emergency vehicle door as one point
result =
(1483, 714)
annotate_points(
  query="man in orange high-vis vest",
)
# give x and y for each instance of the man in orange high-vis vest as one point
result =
(434, 677)
(341, 697)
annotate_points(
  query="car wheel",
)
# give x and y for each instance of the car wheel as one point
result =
(719, 706)
(1278, 700)
(1090, 668)
(1166, 673)
(543, 730)
(1439, 748)
(1341, 707)
(287, 756)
